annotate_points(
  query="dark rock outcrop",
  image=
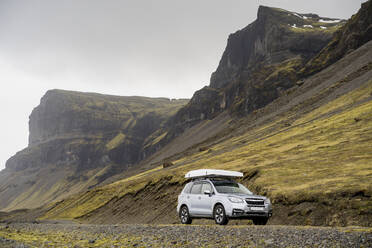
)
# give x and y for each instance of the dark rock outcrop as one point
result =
(356, 32)
(83, 139)
(78, 140)
(111, 128)
(259, 63)
(276, 36)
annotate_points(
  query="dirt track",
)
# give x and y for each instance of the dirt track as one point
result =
(78, 235)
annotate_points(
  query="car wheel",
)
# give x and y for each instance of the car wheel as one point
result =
(260, 221)
(185, 216)
(220, 215)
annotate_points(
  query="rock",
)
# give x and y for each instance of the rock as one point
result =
(260, 62)
(74, 133)
(269, 241)
(203, 148)
(356, 32)
(167, 164)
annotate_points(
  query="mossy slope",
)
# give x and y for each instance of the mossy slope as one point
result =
(79, 140)
(312, 160)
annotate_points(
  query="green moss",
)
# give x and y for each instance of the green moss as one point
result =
(158, 138)
(285, 70)
(292, 164)
(116, 141)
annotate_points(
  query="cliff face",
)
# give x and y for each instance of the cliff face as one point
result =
(78, 140)
(83, 138)
(274, 53)
(309, 150)
(259, 63)
(354, 34)
(276, 36)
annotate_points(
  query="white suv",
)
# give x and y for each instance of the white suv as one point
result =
(221, 198)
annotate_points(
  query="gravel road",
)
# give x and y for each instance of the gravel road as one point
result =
(81, 235)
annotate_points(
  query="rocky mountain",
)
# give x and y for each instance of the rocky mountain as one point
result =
(259, 63)
(308, 149)
(77, 140)
(290, 105)
(354, 34)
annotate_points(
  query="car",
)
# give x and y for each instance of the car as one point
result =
(215, 195)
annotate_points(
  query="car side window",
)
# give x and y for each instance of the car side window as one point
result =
(196, 188)
(187, 188)
(206, 186)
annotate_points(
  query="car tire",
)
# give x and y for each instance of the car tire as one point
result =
(185, 215)
(260, 221)
(219, 215)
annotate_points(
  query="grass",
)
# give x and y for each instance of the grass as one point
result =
(116, 141)
(87, 123)
(316, 159)
(37, 238)
(286, 69)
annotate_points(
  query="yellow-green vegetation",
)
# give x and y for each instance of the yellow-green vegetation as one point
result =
(317, 27)
(76, 238)
(116, 141)
(323, 155)
(356, 229)
(72, 235)
(155, 138)
(82, 204)
(108, 107)
(76, 140)
(286, 69)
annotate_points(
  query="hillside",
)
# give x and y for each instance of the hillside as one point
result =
(311, 157)
(290, 105)
(78, 140)
(259, 63)
(308, 150)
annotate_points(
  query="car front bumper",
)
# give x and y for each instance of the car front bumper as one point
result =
(246, 211)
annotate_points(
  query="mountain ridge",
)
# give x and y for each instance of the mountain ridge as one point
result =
(249, 81)
(78, 140)
(284, 125)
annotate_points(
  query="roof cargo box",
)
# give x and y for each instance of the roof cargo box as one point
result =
(212, 173)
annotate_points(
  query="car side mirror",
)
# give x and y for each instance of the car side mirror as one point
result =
(207, 192)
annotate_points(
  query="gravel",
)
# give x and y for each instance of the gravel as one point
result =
(81, 235)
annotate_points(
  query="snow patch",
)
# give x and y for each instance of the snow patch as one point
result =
(295, 14)
(305, 17)
(294, 26)
(322, 27)
(308, 26)
(329, 21)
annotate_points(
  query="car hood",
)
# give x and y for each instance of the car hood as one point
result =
(248, 196)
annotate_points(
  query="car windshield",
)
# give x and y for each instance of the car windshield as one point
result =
(226, 187)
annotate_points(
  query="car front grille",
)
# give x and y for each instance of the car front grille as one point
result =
(255, 202)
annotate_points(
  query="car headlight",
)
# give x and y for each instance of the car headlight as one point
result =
(235, 199)
(267, 201)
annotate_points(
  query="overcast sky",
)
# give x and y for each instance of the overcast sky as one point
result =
(151, 48)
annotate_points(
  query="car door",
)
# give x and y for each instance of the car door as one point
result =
(194, 199)
(206, 201)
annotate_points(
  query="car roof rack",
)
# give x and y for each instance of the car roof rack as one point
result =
(214, 179)
(211, 173)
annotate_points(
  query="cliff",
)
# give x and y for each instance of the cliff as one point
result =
(259, 64)
(308, 149)
(289, 105)
(354, 34)
(77, 140)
